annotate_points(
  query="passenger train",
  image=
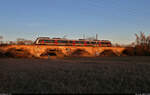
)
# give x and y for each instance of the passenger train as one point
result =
(66, 42)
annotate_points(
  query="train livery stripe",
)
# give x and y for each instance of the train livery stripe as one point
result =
(56, 43)
(85, 43)
(99, 43)
(73, 43)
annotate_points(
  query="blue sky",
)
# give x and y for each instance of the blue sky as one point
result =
(115, 20)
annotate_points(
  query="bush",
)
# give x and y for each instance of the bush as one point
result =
(136, 51)
(3, 45)
(2, 53)
(142, 51)
(129, 51)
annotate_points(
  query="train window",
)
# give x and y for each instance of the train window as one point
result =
(88, 42)
(77, 42)
(70, 41)
(103, 43)
(93, 42)
(81, 42)
(41, 41)
(46, 41)
(59, 41)
(108, 43)
(50, 41)
(64, 41)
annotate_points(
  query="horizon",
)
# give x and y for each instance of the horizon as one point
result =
(112, 20)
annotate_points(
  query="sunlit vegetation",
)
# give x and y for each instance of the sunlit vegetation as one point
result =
(141, 48)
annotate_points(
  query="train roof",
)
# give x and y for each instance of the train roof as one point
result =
(43, 38)
(47, 38)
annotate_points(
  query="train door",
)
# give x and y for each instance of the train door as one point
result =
(73, 43)
(56, 43)
(42, 42)
(99, 43)
(109, 44)
(85, 44)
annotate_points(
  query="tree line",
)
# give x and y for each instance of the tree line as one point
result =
(19, 41)
(142, 40)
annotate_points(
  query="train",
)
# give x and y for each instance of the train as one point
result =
(67, 42)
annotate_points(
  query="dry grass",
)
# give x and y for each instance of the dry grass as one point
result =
(75, 75)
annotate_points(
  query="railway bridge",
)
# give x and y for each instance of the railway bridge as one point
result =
(47, 50)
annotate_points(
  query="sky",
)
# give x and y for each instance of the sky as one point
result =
(114, 20)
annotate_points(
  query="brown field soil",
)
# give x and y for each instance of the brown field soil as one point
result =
(75, 75)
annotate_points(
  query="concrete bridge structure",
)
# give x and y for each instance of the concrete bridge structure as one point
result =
(43, 50)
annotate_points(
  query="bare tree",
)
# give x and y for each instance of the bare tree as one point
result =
(142, 40)
(1, 38)
(148, 41)
(137, 39)
(22, 41)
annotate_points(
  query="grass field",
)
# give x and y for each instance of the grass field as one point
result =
(75, 75)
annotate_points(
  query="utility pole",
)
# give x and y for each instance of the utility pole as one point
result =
(96, 36)
(64, 37)
(83, 36)
(1, 38)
